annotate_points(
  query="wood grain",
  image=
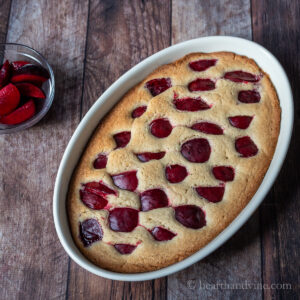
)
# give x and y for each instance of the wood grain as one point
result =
(120, 34)
(239, 260)
(33, 263)
(276, 26)
(4, 18)
(195, 18)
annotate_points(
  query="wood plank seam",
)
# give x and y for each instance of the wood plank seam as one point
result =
(260, 233)
(84, 59)
(8, 19)
(68, 278)
(276, 27)
(35, 267)
(260, 221)
(171, 23)
(251, 18)
(80, 117)
(115, 43)
(192, 19)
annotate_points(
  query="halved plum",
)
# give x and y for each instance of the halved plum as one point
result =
(147, 156)
(211, 193)
(100, 162)
(93, 194)
(90, 231)
(191, 104)
(158, 85)
(124, 248)
(122, 138)
(241, 122)
(19, 115)
(137, 112)
(245, 146)
(190, 216)
(224, 173)
(201, 84)
(92, 200)
(30, 90)
(241, 76)
(123, 219)
(162, 234)
(249, 96)
(5, 73)
(176, 173)
(196, 150)
(207, 127)
(152, 199)
(99, 188)
(30, 73)
(161, 128)
(16, 65)
(9, 99)
(202, 64)
(126, 180)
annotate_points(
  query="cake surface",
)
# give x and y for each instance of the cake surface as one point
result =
(174, 162)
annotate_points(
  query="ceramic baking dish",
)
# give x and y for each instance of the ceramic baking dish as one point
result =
(114, 93)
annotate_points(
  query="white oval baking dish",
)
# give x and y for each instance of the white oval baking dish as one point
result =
(113, 94)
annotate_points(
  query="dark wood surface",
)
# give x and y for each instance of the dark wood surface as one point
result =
(89, 45)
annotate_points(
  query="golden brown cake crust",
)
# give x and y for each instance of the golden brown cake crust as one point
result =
(249, 172)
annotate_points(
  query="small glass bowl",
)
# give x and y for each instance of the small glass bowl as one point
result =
(15, 52)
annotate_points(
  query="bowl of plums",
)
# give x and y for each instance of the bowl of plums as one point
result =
(26, 87)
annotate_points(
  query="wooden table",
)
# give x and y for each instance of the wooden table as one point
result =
(89, 45)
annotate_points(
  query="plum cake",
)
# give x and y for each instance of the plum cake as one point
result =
(174, 162)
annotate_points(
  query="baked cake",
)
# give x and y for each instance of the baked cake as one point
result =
(174, 162)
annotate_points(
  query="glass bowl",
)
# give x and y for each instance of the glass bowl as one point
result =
(15, 52)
